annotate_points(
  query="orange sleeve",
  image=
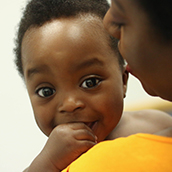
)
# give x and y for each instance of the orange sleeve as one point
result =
(140, 152)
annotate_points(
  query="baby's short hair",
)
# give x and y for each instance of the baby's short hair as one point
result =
(38, 12)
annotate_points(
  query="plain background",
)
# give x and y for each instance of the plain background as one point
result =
(20, 138)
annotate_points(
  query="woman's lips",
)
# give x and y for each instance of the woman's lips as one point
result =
(128, 69)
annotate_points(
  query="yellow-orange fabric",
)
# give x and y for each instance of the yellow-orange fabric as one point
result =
(136, 153)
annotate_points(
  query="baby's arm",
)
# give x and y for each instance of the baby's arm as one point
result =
(65, 143)
(143, 121)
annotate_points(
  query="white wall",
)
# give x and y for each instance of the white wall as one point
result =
(21, 140)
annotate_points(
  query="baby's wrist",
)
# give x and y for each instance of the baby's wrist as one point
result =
(42, 164)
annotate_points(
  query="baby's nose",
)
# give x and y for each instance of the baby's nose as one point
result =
(71, 104)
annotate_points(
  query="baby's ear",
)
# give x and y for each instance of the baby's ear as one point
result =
(125, 76)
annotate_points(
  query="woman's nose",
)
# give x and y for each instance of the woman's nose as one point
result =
(70, 104)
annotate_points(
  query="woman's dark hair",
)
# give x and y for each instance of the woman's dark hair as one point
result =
(160, 16)
(38, 12)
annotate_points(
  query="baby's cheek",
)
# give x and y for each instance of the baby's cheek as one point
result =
(44, 123)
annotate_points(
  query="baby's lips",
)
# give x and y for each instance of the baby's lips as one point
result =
(94, 126)
(91, 125)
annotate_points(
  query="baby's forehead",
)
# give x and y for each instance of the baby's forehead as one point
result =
(82, 28)
(91, 24)
(71, 38)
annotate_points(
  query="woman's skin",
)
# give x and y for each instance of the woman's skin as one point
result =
(148, 57)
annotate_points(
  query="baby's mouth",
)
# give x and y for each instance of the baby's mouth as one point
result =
(91, 125)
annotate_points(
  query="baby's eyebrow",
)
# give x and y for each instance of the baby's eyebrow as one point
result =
(88, 63)
(75, 67)
(35, 70)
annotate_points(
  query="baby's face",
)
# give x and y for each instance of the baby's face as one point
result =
(72, 75)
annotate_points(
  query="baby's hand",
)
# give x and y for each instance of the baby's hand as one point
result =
(67, 142)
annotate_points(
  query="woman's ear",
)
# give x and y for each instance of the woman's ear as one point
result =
(125, 76)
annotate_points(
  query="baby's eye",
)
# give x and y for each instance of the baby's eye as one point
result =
(90, 82)
(45, 92)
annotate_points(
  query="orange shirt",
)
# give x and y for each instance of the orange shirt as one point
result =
(136, 153)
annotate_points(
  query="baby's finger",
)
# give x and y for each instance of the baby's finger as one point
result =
(79, 125)
(84, 146)
(85, 134)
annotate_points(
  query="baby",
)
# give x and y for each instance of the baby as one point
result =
(75, 77)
